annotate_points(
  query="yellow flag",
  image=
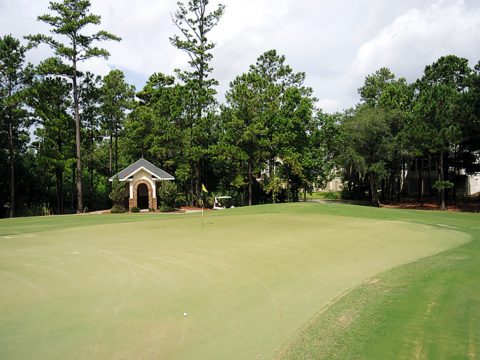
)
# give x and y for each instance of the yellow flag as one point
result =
(204, 189)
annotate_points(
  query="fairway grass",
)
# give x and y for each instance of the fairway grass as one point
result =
(117, 286)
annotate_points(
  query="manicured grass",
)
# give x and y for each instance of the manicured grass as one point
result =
(324, 195)
(116, 286)
(33, 224)
(429, 309)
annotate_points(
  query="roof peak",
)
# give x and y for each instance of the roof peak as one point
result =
(147, 165)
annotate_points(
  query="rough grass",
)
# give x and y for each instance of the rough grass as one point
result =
(116, 286)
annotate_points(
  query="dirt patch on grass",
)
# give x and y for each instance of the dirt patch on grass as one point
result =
(373, 281)
(346, 319)
(418, 350)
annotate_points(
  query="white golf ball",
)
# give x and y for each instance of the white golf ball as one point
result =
(185, 314)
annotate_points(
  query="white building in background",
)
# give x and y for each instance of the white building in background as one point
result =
(422, 174)
(473, 184)
(333, 185)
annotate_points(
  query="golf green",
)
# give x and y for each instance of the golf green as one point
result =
(166, 287)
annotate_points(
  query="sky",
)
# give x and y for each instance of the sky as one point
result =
(336, 43)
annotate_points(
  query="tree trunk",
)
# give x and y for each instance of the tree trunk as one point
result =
(59, 190)
(454, 189)
(350, 181)
(420, 181)
(287, 184)
(72, 198)
(399, 189)
(429, 180)
(250, 183)
(116, 149)
(192, 186)
(389, 186)
(383, 187)
(295, 192)
(373, 187)
(110, 150)
(394, 181)
(271, 173)
(77, 138)
(422, 188)
(12, 168)
(201, 105)
(370, 193)
(401, 183)
(192, 166)
(92, 187)
(198, 180)
(441, 178)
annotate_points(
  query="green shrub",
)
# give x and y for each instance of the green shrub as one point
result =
(166, 208)
(441, 185)
(209, 201)
(117, 195)
(167, 193)
(181, 199)
(117, 209)
(135, 209)
(31, 210)
(332, 195)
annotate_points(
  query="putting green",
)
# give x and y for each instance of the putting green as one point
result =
(248, 280)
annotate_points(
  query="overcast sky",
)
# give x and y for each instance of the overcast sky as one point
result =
(337, 43)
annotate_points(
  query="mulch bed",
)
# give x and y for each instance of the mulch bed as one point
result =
(469, 207)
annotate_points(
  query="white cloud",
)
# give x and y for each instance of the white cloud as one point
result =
(419, 37)
(337, 43)
(329, 105)
(97, 66)
(144, 27)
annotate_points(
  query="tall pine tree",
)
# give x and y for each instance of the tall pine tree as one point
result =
(14, 119)
(69, 19)
(194, 23)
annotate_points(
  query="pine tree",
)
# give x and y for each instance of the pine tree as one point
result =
(14, 120)
(70, 19)
(194, 23)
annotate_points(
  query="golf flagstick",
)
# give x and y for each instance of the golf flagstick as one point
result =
(204, 190)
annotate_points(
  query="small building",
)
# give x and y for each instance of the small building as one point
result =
(142, 178)
(473, 184)
(334, 185)
(423, 173)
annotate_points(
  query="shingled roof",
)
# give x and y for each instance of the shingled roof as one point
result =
(146, 165)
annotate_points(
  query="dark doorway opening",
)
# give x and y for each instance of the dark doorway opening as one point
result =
(142, 196)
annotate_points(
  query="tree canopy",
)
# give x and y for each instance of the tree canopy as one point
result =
(267, 141)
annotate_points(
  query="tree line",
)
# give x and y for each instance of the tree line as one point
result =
(430, 126)
(65, 132)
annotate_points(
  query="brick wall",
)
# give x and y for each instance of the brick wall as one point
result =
(152, 202)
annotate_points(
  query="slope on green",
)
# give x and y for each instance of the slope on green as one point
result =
(429, 309)
(248, 280)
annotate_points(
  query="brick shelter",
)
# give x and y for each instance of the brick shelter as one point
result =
(142, 178)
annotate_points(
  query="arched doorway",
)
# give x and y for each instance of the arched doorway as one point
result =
(142, 196)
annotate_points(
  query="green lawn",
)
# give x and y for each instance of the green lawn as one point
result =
(429, 309)
(256, 283)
